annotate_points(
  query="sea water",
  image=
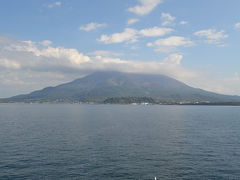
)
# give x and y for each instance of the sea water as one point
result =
(72, 141)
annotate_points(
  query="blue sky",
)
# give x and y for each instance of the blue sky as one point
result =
(44, 43)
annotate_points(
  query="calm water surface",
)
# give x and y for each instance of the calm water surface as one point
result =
(44, 141)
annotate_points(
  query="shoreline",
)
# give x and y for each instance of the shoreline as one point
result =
(133, 104)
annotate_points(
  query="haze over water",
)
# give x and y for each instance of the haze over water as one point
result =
(44, 141)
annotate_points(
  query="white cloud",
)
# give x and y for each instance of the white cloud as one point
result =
(145, 7)
(173, 59)
(170, 66)
(170, 44)
(55, 4)
(91, 26)
(155, 31)
(59, 52)
(237, 25)
(46, 43)
(9, 64)
(132, 21)
(225, 85)
(128, 34)
(72, 55)
(212, 36)
(183, 22)
(105, 53)
(167, 19)
(132, 35)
